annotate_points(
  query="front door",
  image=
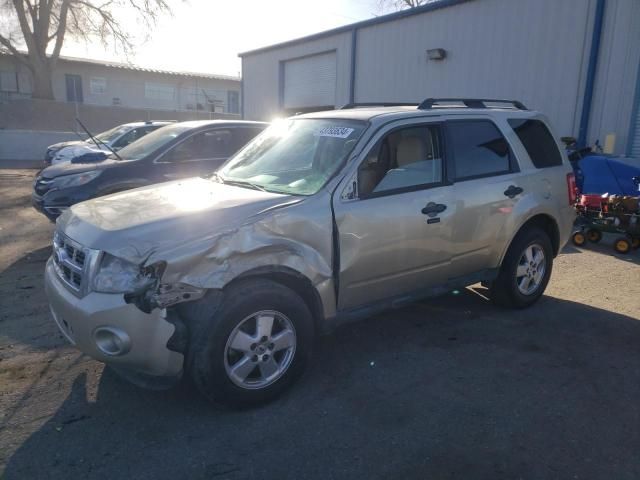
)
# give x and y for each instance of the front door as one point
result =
(394, 236)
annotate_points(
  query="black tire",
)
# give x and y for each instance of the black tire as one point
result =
(210, 330)
(594, 235)
(504, 290)
(635, 243)
(578, 238)
(622, 245)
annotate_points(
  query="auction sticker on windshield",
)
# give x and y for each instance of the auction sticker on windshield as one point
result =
(336, 132)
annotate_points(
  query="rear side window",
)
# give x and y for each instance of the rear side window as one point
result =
(479, 149)
(538, 142)
(241, 136)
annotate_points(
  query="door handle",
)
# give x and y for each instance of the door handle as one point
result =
(432, 209)
(512, 191)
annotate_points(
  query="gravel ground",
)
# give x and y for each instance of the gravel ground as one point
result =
(451, 388)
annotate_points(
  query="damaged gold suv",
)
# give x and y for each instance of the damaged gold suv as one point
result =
(324, 217)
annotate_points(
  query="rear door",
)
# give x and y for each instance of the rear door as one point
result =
(487, 187)
(394, 232)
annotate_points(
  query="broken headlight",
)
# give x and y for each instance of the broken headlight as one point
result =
(116, 275)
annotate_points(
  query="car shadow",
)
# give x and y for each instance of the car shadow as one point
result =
(450, 388)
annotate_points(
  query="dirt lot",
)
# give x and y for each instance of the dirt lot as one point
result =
(452, 388)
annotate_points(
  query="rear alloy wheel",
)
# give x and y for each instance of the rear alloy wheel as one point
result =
(531, 269)
(525, 270)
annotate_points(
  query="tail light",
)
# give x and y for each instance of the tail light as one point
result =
(572, 188)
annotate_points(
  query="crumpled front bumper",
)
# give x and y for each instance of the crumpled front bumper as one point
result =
(83, 320)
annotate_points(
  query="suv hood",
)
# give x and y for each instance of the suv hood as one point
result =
(180, 216)
(70, 152)
(58, 146)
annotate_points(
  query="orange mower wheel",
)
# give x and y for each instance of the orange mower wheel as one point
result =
(622, 245)
(579, 239)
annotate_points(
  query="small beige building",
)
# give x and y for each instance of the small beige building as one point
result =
(100, 83)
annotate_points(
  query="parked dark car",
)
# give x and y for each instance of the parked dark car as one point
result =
(185, 149)
(115, 138)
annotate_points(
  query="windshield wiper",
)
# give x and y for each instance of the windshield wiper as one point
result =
(95, 140)
(242, 183)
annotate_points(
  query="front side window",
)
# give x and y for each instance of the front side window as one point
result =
(113, 134)
(126, 139)
(538, 142)
(132, 136)
(202, 146)
(296, 156)
(478, 149)
(152, 142)
(405, 158)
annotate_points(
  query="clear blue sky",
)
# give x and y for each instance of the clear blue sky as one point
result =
(207, 35)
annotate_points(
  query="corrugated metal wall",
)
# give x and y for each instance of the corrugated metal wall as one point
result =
(495, 49)
(617, 74)
(536, 51)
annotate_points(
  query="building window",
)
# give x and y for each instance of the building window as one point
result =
(233, 101)
(159, 91)
(8, 82)
(98, 85)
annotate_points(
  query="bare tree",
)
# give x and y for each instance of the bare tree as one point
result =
(41, 26)
(394, 5)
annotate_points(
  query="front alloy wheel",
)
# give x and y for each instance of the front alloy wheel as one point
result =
(260, 349)
(249, 344)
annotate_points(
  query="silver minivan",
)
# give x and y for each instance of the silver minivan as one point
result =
(323, 218)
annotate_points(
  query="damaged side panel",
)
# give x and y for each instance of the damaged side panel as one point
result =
(208, 234)
(298, 237)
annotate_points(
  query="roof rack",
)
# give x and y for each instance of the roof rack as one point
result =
(430, 103)
(349, 106)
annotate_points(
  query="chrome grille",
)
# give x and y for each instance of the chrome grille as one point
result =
(72, 262)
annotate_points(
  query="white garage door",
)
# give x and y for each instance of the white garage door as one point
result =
(310, 81)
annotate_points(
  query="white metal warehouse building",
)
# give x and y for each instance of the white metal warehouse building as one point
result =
(578, 61)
